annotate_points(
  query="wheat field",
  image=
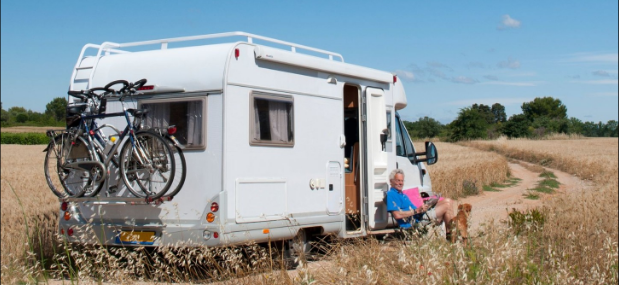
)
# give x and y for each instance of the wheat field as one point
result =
(577, 243)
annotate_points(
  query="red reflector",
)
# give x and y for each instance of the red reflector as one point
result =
(70, 231)
(214, 207)
(215, 234)
(147, 87)
(171, 130)
(64, 206)
(237, 53)
(395, 79)
(91, 132)
(61, 231)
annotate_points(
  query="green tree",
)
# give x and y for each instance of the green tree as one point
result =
(485, 111)
(21, 118)
(611, 129)
(470, 124)
(57, 108)
(5, 115)
(544, 107)
(516, 127)
(425, 127)
(498, 111)
(574, 126)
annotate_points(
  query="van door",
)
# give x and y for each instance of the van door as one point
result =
(375, 124)
(405, 157)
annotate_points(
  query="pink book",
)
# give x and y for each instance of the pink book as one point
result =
(415, 197)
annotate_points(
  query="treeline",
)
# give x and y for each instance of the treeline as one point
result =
(539, 118)
(54, 115)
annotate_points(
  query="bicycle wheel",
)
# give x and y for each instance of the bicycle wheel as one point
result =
(180, 173)
(63, 177)
(147, 167)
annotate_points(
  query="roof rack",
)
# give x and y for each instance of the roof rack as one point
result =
(111, 47)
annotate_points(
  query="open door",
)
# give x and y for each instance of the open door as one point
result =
(375, 125)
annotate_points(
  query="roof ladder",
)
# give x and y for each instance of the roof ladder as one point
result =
(78, 76)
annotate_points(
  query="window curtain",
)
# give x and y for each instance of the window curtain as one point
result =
(278, 115)
(158, 115)
(194, 123)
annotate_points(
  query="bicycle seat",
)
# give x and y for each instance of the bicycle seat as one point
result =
(76, 108)
(136, 112)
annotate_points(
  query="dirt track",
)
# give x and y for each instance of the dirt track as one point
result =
(494, 207)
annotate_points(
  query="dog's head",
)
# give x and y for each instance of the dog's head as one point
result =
(465, 207)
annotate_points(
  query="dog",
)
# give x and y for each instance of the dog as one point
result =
(462, 222)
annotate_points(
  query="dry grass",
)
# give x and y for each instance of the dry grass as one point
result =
(575, 242)
(25, 129)
(462, 171)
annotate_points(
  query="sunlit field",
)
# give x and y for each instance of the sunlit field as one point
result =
(571, 240)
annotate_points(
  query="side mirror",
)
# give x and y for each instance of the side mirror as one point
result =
(431, 154)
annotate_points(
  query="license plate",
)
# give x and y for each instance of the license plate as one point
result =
(136, 237)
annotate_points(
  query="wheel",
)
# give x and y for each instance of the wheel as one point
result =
(180, 173)
(62, 177)
(147, 166)
(298, 249)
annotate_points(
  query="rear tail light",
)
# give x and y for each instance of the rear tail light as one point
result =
(215, 234)
(214, 207)
(70, 232)
(210, 217)
(64, 206)
(171, 129)
(67, 216)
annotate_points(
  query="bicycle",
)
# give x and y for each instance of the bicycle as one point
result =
(82, 162)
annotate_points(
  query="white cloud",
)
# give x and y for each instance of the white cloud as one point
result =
(598, 82)
(510, 63)
(602, 73)
(491, 77)
(604, 94)
(489, 101)
(463, 80)
(475, 64)
(595, 57)
(405, 75)
(531, 83)
(508, 22)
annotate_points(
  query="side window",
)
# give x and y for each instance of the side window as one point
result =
(271, 120)
(389, 125)
(399, 143)
(186, 113)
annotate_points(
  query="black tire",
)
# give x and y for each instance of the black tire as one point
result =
(66, 181)
(152, 178)
(180, 172)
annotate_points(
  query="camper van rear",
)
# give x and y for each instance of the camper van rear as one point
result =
(278, 143)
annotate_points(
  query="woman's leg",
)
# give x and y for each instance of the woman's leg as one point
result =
(445, 213)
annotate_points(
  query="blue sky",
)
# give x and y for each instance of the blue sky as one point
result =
(448, 54)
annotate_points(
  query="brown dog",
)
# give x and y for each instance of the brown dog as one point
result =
(462, 222)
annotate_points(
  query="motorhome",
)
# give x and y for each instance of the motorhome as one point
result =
(281, 141)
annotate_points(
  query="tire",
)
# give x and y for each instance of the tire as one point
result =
(152, 178)
(180, 172)
(70, 182)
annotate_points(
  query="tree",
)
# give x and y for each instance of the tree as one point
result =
(574, 126)
(544, 107)
(611, 129)
(470, 124)
(425, 127)
(516, 127)
(498, 111)
(57, 108)
(485, 111)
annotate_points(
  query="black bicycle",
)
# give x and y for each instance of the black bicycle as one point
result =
(78, 160)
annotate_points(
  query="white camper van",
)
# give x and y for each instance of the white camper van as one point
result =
(280, 140)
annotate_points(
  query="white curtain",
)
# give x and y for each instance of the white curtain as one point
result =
(194, 123)
(158, 115)
(256, 122)
(278, 116)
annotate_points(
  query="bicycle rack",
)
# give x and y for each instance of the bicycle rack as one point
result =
(118, 200)
(111, 47)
